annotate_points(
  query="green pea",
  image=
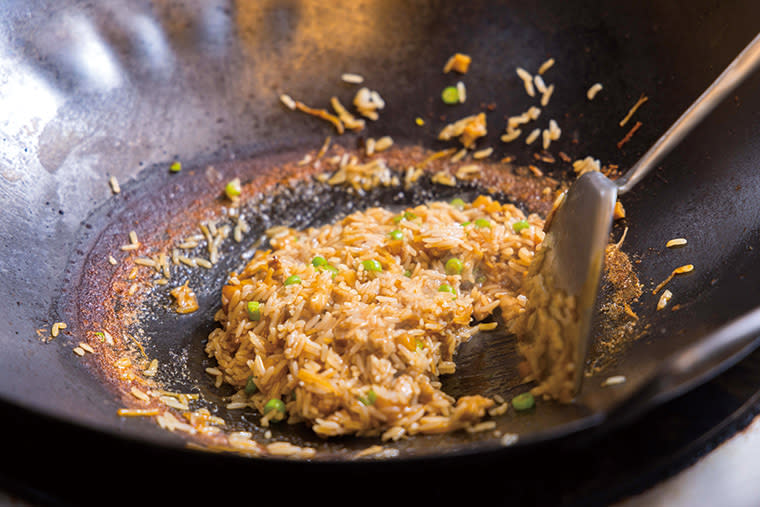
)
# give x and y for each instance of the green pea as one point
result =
(446, 288)
(396, 234)
(274, 404)
(408, 273)
(369, 399)
(175, 167)
(233, 188)
(518, 226)
(250, 386)
(318, 261)
(524, 401)
(254, 310)
(419, 344)
(482, 223)
(292, 279)
(457, 203)
(406, 215)
(454, 266)
(372, 265)
(450, 95)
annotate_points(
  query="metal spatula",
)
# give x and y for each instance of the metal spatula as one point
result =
(580, 226)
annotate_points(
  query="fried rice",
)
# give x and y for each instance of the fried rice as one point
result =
(348, 327)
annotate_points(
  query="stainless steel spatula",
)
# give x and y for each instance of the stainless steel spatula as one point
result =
(579, 230)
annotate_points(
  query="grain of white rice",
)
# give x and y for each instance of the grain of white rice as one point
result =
(532, 136)
(516, 121)
(152, 369)
(187, 261)
(444, 178)
(288, 449)
(664, 299)
(499, 409)
(288, 101)
(115, 187)
(554, 130)
(467, 172)
(173, 402)
(352, 78)
(480, 427)
(112, 260)
(595, 88)
(140, 395)
(509, 439)
(461, 92)
(547, 95)
(383, 144)
(534, 112)
(369, 146)
(137, 412)
(144, 261)
(613, 381)
(86, 347)
(676, 242)
(459, 155)
(546, 138)
(527, 79)
(546, 66)
(203, 262)
(55, 329)
(78, 351)
(538, 81)
(511, 135)
(582, 166)
(169, 422)
(481, 154)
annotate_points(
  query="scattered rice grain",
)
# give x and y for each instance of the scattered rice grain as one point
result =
(461, 92)
(115, 187)
(546, 66)
(532, 136)
(676, 242)
(352, 78)
(595, 88)
(527, 79)
(288, 101)
(614, 381)
(664, 299)
(547, 95)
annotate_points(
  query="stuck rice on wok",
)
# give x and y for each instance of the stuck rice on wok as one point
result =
(347, 327)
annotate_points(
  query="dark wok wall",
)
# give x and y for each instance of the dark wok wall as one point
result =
(93, 90)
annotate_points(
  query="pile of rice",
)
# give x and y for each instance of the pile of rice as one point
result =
(355, 351)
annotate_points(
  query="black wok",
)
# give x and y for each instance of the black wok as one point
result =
(124, 88)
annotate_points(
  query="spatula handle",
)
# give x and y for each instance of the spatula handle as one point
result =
(741, 67)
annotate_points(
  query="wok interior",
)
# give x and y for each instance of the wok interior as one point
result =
(200, 84)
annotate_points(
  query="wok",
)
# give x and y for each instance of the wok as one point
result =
(124, 88)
